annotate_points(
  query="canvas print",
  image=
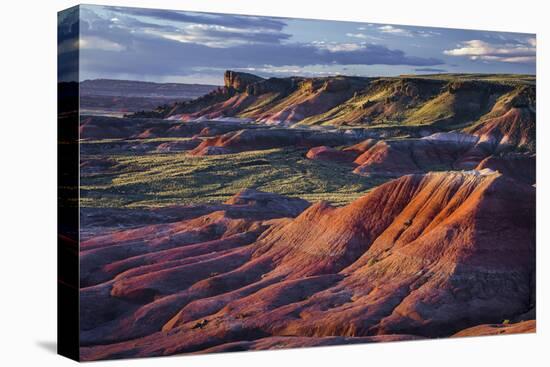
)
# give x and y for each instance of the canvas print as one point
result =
(256, 183)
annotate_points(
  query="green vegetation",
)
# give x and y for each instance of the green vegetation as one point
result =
(392, 108)
(140, 141)
(512, 79)
(177, 178)
(446, 101)
(438, 108)
(372, 261)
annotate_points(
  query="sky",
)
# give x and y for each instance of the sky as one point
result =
(191, 47)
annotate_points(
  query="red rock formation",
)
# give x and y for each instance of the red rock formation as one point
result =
(499, 329)
(239, 80)
(423, 255)
(257, 139)
(516, 128)
(177, 146)
(361, 147)
(511, 123)
(521, 167)
(273, 100)
(331, 154)
(399, 157)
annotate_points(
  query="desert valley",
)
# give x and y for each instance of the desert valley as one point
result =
(305, 211)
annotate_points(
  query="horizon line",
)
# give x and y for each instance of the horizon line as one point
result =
(324, 76)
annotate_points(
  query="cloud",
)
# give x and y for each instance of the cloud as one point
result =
(338, 46)
(269, 71)
(366, 26)
(67, 45)
(509, 52)
(406, 32)
(391, 30)
(214, 32)
(221, 36)
(365, 54)
(394, 30)
(67, 25)
(165, 56)
(363, 36)
(141, 46)
(430, 70)
(97, 43)
(228, 20)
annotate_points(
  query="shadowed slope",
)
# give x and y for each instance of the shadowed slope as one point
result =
(257, 139)
(499, 329)
(511, 122)
(521, 167)
(441, 151)
(427, 255)
(445, 101)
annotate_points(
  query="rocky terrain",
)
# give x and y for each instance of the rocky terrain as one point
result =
(448, 101)
(289, 212)
(424, 255)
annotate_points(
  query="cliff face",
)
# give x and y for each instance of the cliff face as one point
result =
(239, 81)
(273, 100)
(447, 102)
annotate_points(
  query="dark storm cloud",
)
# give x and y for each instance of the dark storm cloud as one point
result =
(226, 20)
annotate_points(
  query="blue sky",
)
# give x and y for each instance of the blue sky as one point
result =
(177, 46)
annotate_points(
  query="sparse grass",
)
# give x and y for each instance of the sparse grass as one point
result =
(511, 79)
(441, 107)
(147, 140)
(177, 178)
(372, 261)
